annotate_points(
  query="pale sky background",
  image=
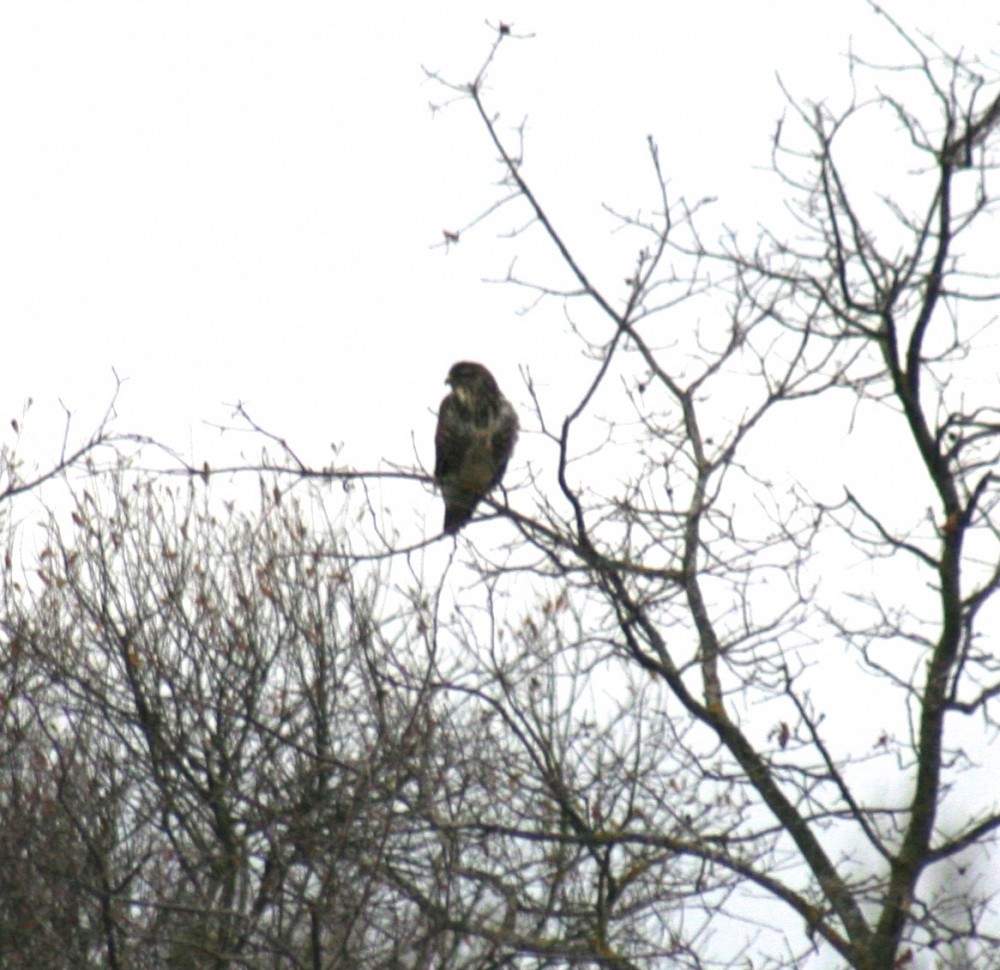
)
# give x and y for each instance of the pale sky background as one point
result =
(243, 201)
(238, 201)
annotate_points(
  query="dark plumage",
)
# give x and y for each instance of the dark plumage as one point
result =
(476, 431)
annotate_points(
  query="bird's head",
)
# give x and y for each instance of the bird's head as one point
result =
(467, 379)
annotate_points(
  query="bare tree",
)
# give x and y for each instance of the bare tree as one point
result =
(702, 709)
(855, 805)
(222, 735)
(20, 476)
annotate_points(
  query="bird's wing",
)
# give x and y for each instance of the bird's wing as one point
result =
(503, 440)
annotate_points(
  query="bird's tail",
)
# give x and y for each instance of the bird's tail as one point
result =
(458, 510)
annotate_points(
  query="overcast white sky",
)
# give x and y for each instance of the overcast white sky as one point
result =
(238, 200)
(230, 200)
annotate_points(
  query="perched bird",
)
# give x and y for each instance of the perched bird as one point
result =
(476, 431)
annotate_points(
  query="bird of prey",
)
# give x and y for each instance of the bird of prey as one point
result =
(476, 431)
